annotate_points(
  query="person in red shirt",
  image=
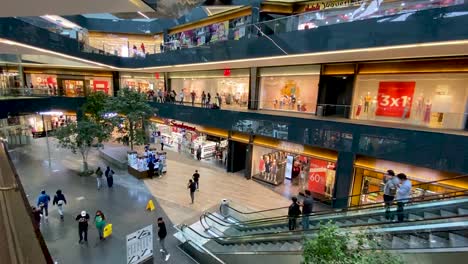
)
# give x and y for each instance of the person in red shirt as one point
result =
(143, 48)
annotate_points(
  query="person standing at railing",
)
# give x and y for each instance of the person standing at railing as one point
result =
(294, 211)
(203, 99)
(307, 208)
(193, 95)
(403, 195)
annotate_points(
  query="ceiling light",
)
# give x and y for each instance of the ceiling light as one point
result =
(143, 15)
(402, 4)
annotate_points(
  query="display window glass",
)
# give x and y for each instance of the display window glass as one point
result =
(291, 88)
(293, 173)
(225, 92)
(431, 100)
(42, 83)
(149, 85)
(368, 183)
(74, 88)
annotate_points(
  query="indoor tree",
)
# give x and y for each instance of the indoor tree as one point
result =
(79, 137)
(332, 245)
(133, 112)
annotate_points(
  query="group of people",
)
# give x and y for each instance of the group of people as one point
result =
(161, 96)
(42, 212)
(397, 188)
(294, 211)
(109, 173)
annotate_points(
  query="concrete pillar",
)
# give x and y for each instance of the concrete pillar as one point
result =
(343, 179)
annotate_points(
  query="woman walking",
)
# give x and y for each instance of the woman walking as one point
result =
(99, 177)
(100, 221)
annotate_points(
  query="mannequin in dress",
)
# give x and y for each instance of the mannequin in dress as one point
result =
(405, 112)
(261, 165)
(274, 171)
(427, 111)
(373, 107)
(267, 167)
(367, 101)
(359, 108)
(419, 106)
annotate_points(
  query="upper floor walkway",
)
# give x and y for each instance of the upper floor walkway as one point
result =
(329, 31)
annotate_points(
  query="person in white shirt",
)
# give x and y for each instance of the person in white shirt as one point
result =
(390, 190)
(403, 195)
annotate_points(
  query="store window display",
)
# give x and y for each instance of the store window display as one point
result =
(226, 92)
(147, 84)
(289, 88)
(432, 100)
(42, 83)
(293, 173)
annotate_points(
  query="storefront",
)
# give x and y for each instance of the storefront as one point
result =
(208, 145)
(147, 83)
(294, 168)
(68, 83)
(371, 174)
(292, 88)
(437, 100)
(125, 45)
(225, 88)
(48, 121)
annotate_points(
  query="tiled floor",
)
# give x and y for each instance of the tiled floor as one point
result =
(123, 205)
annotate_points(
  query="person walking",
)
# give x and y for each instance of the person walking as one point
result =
(203, 99)
(390, 190)
(99, 177)
(150, 169)
(307, 208)
(59, 200)
(182, 97)
(43, 203)
(100, 222)
(196, 178)
(83, 219)
(403, 195)
(294, 211)
(109, 177)
(199, 153)
(193, 95)
(162, 233)
(192, 187)
(162, 145)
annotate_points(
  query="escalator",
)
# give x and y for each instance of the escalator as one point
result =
(438, 223)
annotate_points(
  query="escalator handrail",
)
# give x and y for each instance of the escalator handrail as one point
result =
(357, 208)
(239, 225)
(291, 234)
(351, 196)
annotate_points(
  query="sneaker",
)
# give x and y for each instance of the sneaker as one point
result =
(167, 257)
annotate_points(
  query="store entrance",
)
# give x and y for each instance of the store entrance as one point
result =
(335, 94)
(236, 159)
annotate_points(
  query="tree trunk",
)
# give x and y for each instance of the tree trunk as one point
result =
(131, 136)
(85, 160)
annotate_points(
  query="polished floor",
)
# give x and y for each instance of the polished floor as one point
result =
(123, 205)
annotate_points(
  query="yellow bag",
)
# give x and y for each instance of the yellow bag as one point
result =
(107, 230)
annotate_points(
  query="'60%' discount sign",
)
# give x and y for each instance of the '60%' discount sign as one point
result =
(395, 99)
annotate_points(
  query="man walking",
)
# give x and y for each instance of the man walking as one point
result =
(192, 187)
(307, 206)
(199, 153)
(43, 203)
(162, 233)
(293, 213)
(59, 200)
(403, 195)
(196, 178)
(83, 219)
(390, 190)
(109, 176)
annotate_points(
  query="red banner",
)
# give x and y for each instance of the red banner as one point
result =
(395, 99)
(101, 86)
(317, 176)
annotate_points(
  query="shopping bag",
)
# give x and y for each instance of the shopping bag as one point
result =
(107, 230)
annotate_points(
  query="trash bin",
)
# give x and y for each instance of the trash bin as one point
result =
(224, 209)
(319, 110)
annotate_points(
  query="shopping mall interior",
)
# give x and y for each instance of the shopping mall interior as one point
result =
(358, 108)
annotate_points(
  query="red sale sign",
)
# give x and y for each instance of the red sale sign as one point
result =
(395, 99)
(102, 86)
(317, 176)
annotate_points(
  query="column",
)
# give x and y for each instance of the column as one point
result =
(248, 158)
(115, 82)
(254, 90)
(343, 179)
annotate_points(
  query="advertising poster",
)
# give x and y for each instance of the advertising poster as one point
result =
(394, 99)
(317, 176)
(101, 86)
(219, 31)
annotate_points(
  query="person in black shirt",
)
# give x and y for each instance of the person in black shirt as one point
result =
(162, 233)
(83, 219)
(196, 178)
(193, 187)
(151, 169)
(293, 213)
(59, 200)
(307, 207)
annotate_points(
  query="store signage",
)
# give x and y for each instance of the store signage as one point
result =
(291, 147)
(317, 176)
(320, 5)
(156, 75)
(101, 86)
(181, 125)
(394, 99)
(227, 72)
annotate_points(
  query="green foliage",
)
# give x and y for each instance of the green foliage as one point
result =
(79, 137)
(95, 106)
(332, 245)
(134, 109)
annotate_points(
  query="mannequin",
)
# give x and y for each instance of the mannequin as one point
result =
(373, 106)
(427, 111)
(419, 106)
(274, 171)
(367, 101)
(359, 108)
(405, 112)
(267, 167)
(261, 166)
(299, 104)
